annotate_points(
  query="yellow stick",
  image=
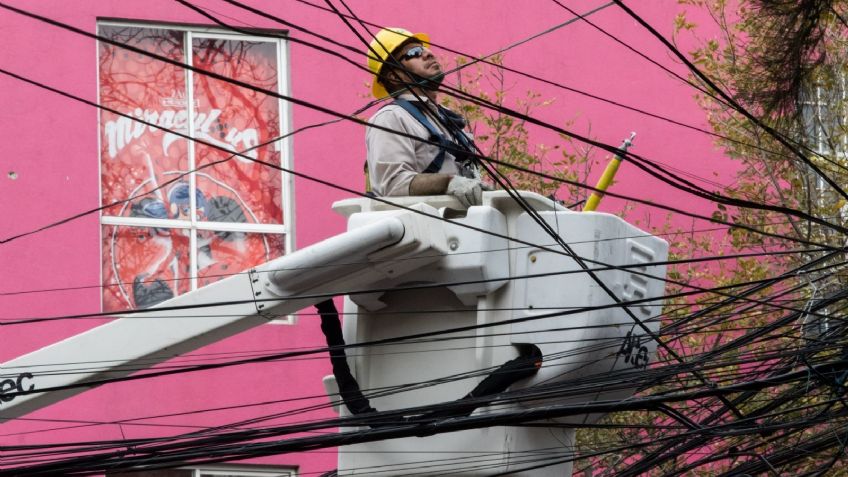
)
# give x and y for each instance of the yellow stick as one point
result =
(607, 177)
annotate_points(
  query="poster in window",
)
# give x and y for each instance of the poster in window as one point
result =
(146, 170)
(240, 119)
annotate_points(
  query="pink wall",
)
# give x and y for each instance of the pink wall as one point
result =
(51, 144)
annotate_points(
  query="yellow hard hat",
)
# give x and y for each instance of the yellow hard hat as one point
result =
(384, 44)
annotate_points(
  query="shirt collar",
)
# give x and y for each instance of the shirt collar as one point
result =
(422, 98)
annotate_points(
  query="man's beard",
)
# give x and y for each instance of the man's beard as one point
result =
(430, 84)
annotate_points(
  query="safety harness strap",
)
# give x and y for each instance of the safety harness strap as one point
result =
(436, 136)
(466, 169)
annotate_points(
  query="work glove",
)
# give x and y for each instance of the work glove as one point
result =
(468, 191)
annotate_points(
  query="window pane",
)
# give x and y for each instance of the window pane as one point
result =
(143, 266)
(238, 119)
(133, 156)
(204, 473)
(222, 254)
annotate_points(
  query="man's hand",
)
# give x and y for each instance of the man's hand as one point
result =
(468, 191)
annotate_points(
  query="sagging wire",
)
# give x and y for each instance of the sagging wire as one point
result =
(312, 106)
(504, 182)
(732, 102)
(457, 424)
(301, 175)
(558, 85)
(484, 60)
(682, 261)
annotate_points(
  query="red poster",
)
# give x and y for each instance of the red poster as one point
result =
(146, 171)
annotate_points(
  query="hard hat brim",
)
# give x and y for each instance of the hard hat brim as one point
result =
(377, 89)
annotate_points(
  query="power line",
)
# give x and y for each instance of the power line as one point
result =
(753, 339)
(227, 452)
(549, 82)
(394, 260)
(735, 105)
(341, 116)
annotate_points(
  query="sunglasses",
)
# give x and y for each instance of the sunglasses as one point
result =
(413, 52)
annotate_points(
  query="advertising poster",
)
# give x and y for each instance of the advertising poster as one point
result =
(147, 171)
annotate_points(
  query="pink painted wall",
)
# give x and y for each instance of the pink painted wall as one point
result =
(51, 145)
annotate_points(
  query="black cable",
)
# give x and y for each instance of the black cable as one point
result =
(319, 350)
(729, 100)
(559, 85)
(281, 356)
(647, 463)
(306, 104)
(642, 163)
(285, 170)
(267, 164)
(525, 366)
(576, 351)
(221, 452)
(504, 182)
(704, 259)
(584, 265)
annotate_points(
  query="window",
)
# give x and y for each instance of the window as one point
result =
(823, 112)
(824, 121)
(182, 214)
(237, 472)
(216, 471)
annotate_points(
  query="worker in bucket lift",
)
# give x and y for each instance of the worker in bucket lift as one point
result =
(441, 161)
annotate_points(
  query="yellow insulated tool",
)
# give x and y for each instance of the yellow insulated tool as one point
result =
(608, 175)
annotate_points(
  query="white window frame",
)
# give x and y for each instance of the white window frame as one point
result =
(284, 146)
(244, 471)
(819, 104)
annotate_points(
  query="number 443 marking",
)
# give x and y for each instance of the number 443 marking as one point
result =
(634, 352)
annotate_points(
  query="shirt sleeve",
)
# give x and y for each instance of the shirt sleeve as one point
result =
(391, 157)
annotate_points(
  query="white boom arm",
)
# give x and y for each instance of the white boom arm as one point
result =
(357, 259)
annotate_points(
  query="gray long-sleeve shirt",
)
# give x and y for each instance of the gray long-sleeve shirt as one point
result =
(394, 160)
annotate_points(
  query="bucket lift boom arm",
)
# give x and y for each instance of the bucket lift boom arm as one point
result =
(357, 259)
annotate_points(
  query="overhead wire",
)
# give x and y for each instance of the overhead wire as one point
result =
(718, 97)
(583, 17)
(464, 225)
(682, 261)
(629, 11)
(733, 103)
(569, 328)
(534, 415)
(277, 356)
(216, 76)
(504, 182)
(414, 210)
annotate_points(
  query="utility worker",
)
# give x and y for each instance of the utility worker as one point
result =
(397, 165)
